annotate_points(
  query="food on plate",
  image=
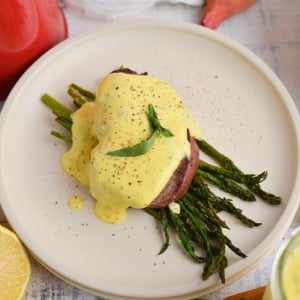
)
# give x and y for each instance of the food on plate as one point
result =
(15, 267)
(157, 140)
(121, 117)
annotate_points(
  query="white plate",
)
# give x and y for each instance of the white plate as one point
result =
(242, 108)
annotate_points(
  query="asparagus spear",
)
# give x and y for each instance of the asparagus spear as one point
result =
(220, 203)
(165, 225)
(251, 179)
(57, 108)
(228, 185)
(183, 236)
(63, 116)
(228, 164)
(80, 95)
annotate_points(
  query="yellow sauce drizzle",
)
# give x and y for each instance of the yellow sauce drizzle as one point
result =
(118, 120)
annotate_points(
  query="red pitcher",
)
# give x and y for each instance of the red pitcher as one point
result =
(27, 29)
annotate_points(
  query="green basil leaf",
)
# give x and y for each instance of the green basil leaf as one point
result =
(153, 119)
(144, 146)
(137, 149)
(165, 132)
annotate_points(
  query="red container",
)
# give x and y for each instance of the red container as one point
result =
(27, 29)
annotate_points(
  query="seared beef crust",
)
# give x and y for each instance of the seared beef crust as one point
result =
(181, 179)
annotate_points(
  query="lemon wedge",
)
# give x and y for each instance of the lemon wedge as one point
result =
(15, 267)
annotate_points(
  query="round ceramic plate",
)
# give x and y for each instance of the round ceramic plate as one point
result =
(242, 109)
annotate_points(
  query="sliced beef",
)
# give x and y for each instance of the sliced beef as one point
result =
(181, 179)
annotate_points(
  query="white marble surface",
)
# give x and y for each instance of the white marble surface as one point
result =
(271, 29)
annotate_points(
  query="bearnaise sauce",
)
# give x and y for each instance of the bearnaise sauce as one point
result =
(117, 119)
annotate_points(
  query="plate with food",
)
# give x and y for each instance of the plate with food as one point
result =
(149, 160)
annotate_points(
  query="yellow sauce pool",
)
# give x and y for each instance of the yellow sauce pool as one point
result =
(76, 202)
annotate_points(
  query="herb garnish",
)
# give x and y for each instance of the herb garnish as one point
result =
(144, 147)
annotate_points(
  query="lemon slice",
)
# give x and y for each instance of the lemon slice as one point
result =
(15, 268)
